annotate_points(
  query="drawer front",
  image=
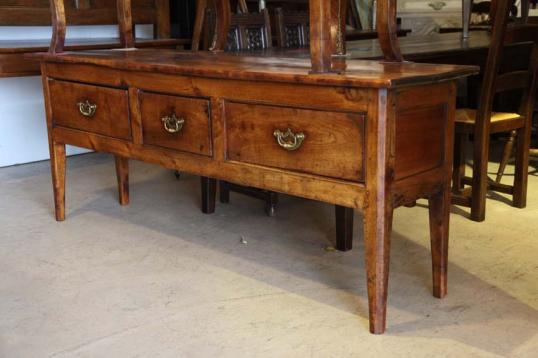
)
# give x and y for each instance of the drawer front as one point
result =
(179, 123)
(316, 142)
(100, 110)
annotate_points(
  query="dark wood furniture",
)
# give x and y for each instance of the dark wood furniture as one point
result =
(14, 63)
(483, 122)
(245, 119)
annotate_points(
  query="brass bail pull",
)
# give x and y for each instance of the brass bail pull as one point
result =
(173, 124)
(288, 140)
(87, 109)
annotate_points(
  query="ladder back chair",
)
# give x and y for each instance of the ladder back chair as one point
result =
(499, 76)
(14, 63)
(248, 31)
(292, 28)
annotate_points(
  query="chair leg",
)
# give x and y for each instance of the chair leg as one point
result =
(122, 174)
(209, 193)
(270, 204)
(458, 170)
(507, 153)
(480, 175)
(344, 227)
(224, 189)
(522, 167)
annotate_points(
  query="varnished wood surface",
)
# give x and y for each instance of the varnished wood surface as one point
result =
(257, 67)
(111, 117)
(195, 133)
(425, 46)
(330, 138)
(392, 176)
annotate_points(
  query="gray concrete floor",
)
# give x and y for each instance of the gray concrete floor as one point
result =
(160, 279)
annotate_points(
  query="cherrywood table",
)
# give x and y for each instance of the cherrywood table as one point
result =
(373, 138)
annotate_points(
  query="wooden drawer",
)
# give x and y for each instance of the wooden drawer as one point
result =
(179, 123)
(100, 110)
(333, 143)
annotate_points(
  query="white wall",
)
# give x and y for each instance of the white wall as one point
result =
(23, 132)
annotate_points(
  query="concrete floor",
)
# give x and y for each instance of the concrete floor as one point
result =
(160, 279)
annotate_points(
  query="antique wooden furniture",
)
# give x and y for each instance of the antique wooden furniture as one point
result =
(369, 135)
(292, 28)
(483, 122)
(14, 63)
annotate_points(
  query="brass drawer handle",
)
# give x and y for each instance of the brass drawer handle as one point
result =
(288, 140)
(87, 109)
(173, 124)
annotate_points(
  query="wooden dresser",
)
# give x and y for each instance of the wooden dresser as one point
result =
(371, 136)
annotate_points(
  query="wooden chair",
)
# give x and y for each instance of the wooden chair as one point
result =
(292, 28)
(13, 59)
(201, 22)
(499, 76)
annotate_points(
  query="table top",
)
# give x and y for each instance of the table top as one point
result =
(285, 68)
(414, 48)
(424, 46)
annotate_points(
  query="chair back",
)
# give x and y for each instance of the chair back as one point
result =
(292, 28)
(86, 12)
(511, 65)
(248, 31)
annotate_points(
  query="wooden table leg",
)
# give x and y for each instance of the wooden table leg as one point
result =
(377, 230)
(57, 166)
(122, 174)
(209, 193)
(439, 209)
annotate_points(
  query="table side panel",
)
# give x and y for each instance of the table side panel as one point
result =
(424, 127)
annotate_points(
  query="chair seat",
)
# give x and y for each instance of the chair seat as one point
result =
(500, 121)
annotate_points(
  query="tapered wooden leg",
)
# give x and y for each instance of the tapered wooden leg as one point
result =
(122, 174)
(377, 230)
(224, 192)
(344, 227)
(209, 195)
(522, 167)
(57, 166)
(480, 176)
(458, 171)
(439, 208)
